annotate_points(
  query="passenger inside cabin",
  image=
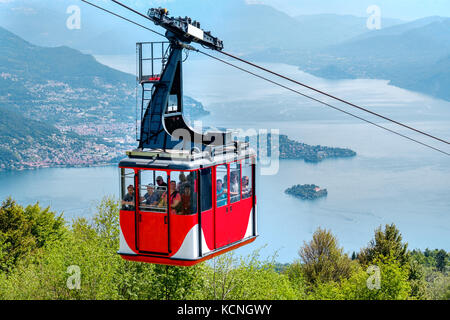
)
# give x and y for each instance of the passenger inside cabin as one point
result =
(162, 203)
(221, 194)
(151, 197)
(128, 199)
(234, 187)
(246, 191)
(161, 184)
(174, 198)
(182, 182)
(188, 203)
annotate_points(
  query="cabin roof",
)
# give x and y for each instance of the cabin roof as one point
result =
(180, 160)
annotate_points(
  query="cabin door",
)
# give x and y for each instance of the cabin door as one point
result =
(152, 214)
(222, 221)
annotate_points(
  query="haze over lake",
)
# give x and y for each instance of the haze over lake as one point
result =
(391, 180)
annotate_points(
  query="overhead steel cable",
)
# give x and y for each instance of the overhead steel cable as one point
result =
(122, 17)
(131, 9)
(322, 102)
(306, 86)
(294, 81)
(331, 96)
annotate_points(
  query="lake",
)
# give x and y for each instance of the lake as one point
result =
(391, 180)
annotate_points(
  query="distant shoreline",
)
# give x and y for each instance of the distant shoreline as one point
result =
(61, 167)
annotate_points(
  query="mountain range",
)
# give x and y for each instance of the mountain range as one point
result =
(411, 54)
(414, 56)
(61, 107)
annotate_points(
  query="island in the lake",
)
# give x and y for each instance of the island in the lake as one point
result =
(307, 191)
(294, 150)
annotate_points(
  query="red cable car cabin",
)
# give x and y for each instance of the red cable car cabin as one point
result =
(186, 211)
(181, 206)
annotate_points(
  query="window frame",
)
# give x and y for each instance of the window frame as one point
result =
(226, 187)
(143, 208)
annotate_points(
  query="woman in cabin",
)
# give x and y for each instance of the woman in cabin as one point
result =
(174, 198)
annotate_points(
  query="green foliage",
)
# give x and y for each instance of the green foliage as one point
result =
(106, 222)
(24, 230)
(435, 265)
(442, 260)
(296, 277)
(393, 284)
(439, 259)
(385, 243)
(438, 285)
(417, 280)
(92, 247)
(306, 191)
(322, 259)
(40, 259)
(388, 243)
(246, 278)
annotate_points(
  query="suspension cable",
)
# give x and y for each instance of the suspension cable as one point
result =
(331, 96)
(291, 80)
(322, 102)
(122, 17)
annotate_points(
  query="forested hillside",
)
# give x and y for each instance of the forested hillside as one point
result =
(60, 107)
(37, 247)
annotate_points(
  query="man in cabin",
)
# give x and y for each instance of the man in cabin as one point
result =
(161, 184)
(221, 194)
(246, 191)
(182, 183)
(128, 199)
(151, 198)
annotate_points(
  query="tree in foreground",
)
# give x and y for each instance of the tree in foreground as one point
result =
(322, 260)
(25, 230)
(387, 242)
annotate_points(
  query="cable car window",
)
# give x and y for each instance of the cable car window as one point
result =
(153, 191)
(206, 189)
(247, 180)
(235, 182)
(183, 192)
(127, 192)
(221, 186)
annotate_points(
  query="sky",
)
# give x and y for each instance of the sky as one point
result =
(400, 9)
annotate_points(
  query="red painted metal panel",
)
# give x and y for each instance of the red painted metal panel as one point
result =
(153, 233)
(127, 226)
(180, 225)
(208, 228)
